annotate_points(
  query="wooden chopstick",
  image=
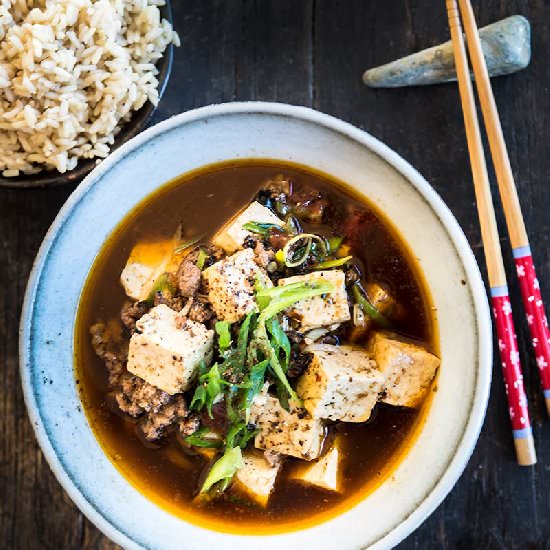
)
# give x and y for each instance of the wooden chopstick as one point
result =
(511, 366)
(530, 291)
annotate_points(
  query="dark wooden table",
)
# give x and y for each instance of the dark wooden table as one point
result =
(313, 52)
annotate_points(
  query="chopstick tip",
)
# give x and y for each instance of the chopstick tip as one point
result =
(525, 451)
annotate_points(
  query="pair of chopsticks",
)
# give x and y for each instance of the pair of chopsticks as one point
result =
(532, 301)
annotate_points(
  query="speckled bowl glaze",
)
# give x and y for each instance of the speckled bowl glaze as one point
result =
(240, 130)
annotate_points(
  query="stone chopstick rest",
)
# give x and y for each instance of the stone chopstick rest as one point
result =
(506, 46)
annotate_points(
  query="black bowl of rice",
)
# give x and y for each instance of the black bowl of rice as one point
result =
(77, 80)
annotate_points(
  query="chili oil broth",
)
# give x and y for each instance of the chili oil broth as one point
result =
(202, 202)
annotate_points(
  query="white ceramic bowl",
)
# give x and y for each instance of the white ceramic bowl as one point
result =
(276, 131)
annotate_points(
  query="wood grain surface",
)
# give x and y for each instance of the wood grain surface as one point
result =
(313, 52)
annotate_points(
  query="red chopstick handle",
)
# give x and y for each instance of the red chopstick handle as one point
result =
(536, 316)
(511, 365)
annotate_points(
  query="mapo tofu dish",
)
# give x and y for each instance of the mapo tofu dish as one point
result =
(255, 346)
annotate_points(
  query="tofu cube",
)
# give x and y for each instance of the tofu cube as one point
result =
(409, 369)
(136, 279)
(147, 261)
(232, 235)
(167, 351)
(321, 311)
(231, 285)
(323, 472)
(341, 383)
(292, 433)
(257, 478)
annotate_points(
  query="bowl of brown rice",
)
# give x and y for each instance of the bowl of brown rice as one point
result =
(77, 79)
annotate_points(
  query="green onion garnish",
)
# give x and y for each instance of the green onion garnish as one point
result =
(369, 310)
(334, 243)
(187, 244)
(332, 263)
(223, 330)
(208, 389)
(163, 283)
(260, 228)
(297, 250)
(200, 439)
(224, 468)
(281, 299)
(201, 259)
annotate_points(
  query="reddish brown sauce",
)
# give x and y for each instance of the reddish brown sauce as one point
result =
(202, 201)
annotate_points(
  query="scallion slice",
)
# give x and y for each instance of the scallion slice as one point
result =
(369, 310)
(334, 243)
(203, 438)
(201, 259)
(224, 468)
(332, 263)
(223, 329)
(187, 244)
(260, 228)
(297, 250)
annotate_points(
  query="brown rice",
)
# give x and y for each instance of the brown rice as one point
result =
(71, 72)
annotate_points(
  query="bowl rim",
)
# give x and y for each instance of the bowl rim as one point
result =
(463, 450)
